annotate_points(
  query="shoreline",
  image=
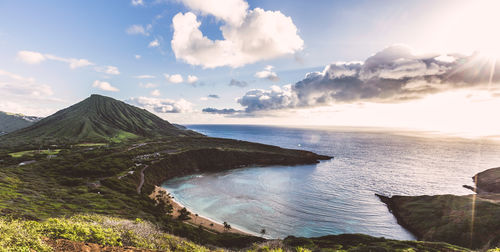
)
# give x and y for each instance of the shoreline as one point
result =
(207, 223)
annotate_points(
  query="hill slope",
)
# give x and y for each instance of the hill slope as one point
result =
(97, 118)
(12, 122)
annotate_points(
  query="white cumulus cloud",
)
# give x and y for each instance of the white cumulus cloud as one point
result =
(154, 43)
(148, 85)
(108, 70)
(268, 73)
(192, 79)
(16, 85)
(103, 85)
(30, 57)
(137, 2)
(72, 62)
(145, 76)
(230, 11)
(137, 30)
(249, 35)
(394, 74)
(174, 78)
(162, 105)
(155, 92)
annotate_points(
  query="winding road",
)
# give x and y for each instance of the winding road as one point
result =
(139, 187)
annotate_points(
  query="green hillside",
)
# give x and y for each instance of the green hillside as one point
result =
(95, 119)
(11, 122)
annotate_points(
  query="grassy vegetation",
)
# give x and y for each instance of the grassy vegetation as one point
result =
(460, 220)
(22, 235)
(91, 144)
(360, 242)
(31, 153)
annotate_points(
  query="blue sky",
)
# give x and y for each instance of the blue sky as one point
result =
(56, 53)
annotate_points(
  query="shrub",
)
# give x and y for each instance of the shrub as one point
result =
(18, 235)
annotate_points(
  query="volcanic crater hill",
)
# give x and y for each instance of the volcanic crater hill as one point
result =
(96, 119)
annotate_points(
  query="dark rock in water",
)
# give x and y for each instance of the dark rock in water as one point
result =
(488, 181)
(472, 188)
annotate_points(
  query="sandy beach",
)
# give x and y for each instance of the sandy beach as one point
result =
(205, 222)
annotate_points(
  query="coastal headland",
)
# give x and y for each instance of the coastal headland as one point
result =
(471, 221)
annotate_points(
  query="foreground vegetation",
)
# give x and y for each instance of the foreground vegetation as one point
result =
(22, 235)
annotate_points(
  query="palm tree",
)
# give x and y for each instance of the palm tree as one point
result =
(226, 226)
(183, 214)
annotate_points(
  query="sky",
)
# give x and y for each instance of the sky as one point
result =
(426, 65)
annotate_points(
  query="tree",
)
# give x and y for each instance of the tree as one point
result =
(263, 231)
(184, 214)
(226, 226)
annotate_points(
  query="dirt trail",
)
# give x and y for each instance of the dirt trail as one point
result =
(141, 182)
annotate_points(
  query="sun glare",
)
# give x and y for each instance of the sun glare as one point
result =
(465, 27)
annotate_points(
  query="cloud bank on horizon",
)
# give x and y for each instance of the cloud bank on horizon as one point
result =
(393, 75)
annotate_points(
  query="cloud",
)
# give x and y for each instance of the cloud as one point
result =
(26, 95)
(220, 111)
(73, 63)
(31, 57)
(103, 85)
(162, 105)
(16, 85)
(145, 76)
(275, 98)
(137, 30)
(249, 35)
(267, 73)
(148, 85)
(154, 43)
(392, 75)
(238, 83)
(174, 78)
(155, 92)
(229, 11)
(192, 79)
(137, 56)
(137, 2)
(108, 70)
(213, 96)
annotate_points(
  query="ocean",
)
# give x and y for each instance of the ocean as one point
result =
(335, 196)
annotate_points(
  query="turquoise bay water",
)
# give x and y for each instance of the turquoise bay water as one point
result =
(336, 196)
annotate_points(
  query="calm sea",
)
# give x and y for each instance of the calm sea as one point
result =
(336, 196)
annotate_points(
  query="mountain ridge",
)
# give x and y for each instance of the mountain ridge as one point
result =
(97, 118)
(10, 122)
